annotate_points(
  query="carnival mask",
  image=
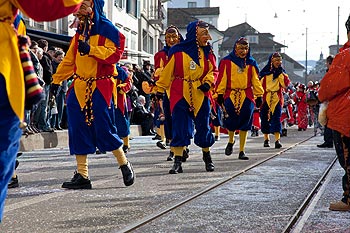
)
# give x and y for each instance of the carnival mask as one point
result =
(84, 10)
(172, 37)
(241, 50)
(203, 35)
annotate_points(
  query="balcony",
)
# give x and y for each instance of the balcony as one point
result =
(156, 14)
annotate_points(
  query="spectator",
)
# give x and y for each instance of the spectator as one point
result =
(335, 88)
(142, 116)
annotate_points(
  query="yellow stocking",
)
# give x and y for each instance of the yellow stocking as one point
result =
(162, 133)
(242, 139)
(217, 130)
(277, 136)
(120, 156)
(178, 150)
(126, 141)
(82, 165)
(266, 136)
(231, 136)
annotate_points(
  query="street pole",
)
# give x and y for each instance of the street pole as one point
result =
(338, 31)
(306, 59)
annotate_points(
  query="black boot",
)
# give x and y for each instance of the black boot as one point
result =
(284, 132)
(209, 166)
(13, 183)
(185, 155)
(278, 144)
(77, 182)
(170, 157)
(128, 174)
(126, 149)
(229, 148)
(242, 156)
(266, 143)
(177, 168)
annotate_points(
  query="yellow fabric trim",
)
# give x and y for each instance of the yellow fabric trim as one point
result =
(69, 3)
(11, 68)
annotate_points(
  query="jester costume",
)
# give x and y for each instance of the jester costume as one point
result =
(237, 84)
(94, 50)
(121, 120)
(13, 91)
(274, 79)
(188, 77)
(162, 112)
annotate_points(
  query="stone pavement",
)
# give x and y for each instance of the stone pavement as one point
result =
(262, 199)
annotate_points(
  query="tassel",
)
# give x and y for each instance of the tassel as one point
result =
(34, 92)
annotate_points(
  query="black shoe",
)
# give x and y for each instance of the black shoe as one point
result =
(209, 166)
(17, 163)
(157, 137)
(58, 128)
(161, 145)
(278, 144)
(170, 157)
(284, 133)
(77, 182)
(185, 155)
(266, 143)
(177, 168)
(325, 145)
(128, 174)
(242, 156)
(217, 138)
(126, 149)
(13, 183)
(229, 148)
(98, 152)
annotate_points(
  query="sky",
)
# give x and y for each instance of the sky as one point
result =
(290, 21)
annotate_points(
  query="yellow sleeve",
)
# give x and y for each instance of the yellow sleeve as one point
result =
(66, 68)
(258, 90)
(105, 53)
(166, 76)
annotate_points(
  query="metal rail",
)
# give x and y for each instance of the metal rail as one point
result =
(303, 207)
(162, 212)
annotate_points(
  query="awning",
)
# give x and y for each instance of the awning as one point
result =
(57, 40)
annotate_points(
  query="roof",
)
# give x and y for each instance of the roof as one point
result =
(181, 17)
(243, 30)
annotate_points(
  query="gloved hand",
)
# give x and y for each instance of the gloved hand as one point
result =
(54, 89)
(220, 100)
(258, 101)
(159, 95)
(83, 48)
(205, 87)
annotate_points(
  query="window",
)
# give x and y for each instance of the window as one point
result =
(253, 39)
(133, 40)
(192, 4)
(151, 47)
(131, 7)
(118, 3)
(144, 41)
